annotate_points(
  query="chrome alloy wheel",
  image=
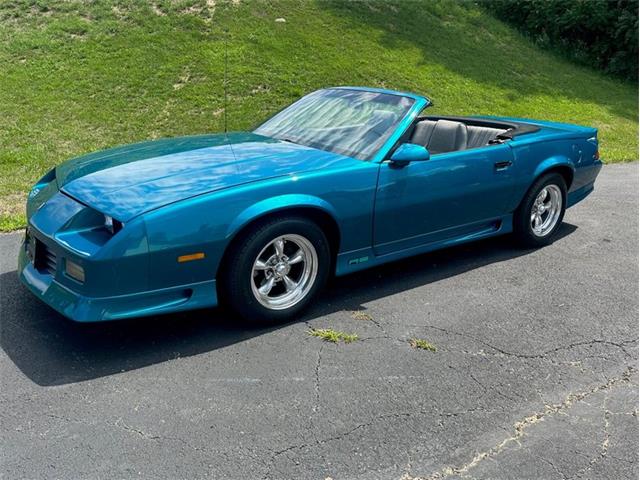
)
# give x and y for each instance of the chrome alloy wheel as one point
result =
(546, 210)
(284, 272)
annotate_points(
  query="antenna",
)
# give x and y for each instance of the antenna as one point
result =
(224, 82)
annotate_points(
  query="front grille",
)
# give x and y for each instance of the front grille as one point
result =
(45, 259)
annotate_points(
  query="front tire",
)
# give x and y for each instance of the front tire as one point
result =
(539, 216)
(275, 270)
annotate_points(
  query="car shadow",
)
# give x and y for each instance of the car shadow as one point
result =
(51, 350)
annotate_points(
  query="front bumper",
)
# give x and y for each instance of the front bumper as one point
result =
(81, 308)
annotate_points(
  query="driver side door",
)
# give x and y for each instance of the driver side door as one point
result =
(451, 195)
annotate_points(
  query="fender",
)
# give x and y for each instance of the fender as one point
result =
(275, 204)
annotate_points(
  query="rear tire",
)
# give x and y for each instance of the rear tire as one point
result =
(539, 216)
(275, 270)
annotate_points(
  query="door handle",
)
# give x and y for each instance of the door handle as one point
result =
(503, 165)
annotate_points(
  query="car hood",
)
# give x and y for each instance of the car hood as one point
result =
(127, 181)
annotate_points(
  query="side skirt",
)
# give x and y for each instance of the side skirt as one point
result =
(364, 258)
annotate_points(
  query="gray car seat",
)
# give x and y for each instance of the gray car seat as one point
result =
(422, 132)
(481, 136)
(440, 136)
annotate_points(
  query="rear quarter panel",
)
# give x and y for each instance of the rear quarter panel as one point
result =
(541, 152)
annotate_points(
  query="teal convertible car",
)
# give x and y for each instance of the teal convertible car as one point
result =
(342, 180)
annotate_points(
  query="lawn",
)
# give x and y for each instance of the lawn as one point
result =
(78, 76)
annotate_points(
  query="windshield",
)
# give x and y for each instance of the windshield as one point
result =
(349, 122)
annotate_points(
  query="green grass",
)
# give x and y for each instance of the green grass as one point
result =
(78, 76)
(11, 222)
(422, 345)
(330, 335)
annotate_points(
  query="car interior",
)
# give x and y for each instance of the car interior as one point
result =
(450, 134)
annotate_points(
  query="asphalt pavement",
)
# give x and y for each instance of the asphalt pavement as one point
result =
(535, 374)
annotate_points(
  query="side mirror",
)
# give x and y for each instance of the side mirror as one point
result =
(409, 152)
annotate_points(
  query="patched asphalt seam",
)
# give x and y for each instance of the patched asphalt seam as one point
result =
(521, 426)
(316, 407)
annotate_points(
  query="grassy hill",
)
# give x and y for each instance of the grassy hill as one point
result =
(78, 76)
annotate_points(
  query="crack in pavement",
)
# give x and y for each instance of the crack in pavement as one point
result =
(620, 345)
(278, 453)
(604, 447)
(316, 407)
(147, 436)
(552, 465)
(362, 315)
(120, 424)
(358, 427)
(521, 426)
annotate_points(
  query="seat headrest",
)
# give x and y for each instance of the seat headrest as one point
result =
(448, 136)
(422, 132)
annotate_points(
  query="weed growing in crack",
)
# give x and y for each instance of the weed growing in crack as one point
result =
(422, 344)
(330, 335)
(361, 315)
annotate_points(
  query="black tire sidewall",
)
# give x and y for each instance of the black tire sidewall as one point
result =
(239, 267)
(522, 218)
